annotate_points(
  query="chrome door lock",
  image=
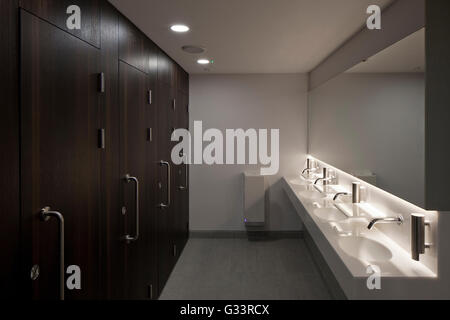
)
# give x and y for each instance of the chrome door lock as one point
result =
(35, 271)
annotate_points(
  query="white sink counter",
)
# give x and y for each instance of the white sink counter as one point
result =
(349, 247)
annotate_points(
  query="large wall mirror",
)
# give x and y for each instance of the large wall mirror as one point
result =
(370, 120)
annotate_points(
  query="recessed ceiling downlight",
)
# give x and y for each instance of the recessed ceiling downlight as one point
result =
(179, 28)
(193, 49)
(203, 61)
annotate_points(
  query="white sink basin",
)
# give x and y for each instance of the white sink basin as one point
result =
(311, 194)
(365, 249)
(298, 182)
(351, 226)
(329, 214)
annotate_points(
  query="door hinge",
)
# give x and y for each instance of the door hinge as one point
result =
(101, 82)
(101, 138)
(149, 96)
(149, 134)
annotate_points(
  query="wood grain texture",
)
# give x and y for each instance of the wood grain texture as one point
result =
(62, 166)
(112, 226)
(61, 158)
(164, 215)
(152, 173)
(181, 214)
(55, 12)
(132, 98)
(9, 157)
(134, 47)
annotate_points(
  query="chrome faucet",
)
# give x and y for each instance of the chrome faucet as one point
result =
(398, 219)
(309, 170)
(310, 166)
(337, 195)
(325, 177)
(356, 193)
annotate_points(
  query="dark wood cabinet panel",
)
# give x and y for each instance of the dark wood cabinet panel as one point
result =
(135, 120)
(152, 63)
(173, 74)
(60, 155)
(182, 80)
(134, 48)
(148, 262)
(152, 168)
(163, 67)
(165, 192)
(112, 228)
(106, 78)
(55, 12)
(185, 195)
(170, 73)
(9, 158)
(182, 176)
(172, 114)
(131, 267)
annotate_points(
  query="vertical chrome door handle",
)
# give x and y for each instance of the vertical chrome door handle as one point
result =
(167, 164)
(128, 238)
(45, 215)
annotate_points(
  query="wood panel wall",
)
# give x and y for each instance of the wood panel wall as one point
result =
(9, 157)
(117, 41)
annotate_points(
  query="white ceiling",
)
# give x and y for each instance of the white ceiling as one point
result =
(407, 55)
(250, 36)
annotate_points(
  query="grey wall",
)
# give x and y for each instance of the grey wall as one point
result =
(376, 122)
(247, 101)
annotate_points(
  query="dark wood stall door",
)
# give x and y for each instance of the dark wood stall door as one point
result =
(165, 189)
(181, 178)
(172, 222)
(140, 262)
(183, 174)
(60, 157)
(80, 137)
(9, 158)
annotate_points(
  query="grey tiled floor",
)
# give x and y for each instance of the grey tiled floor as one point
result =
(227, 269)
